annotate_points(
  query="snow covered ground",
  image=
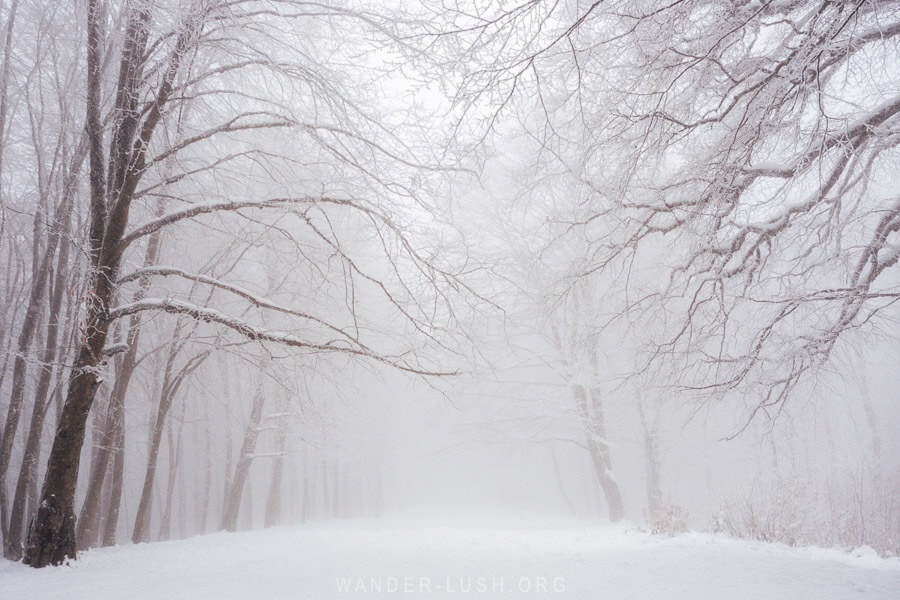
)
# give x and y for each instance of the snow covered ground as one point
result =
(520, 557)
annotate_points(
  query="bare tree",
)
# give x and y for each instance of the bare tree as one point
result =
(245, 458)
(173, 378)
(206, 57)
(747, 147)
(274, 511)
(570, 335)
(48, 145)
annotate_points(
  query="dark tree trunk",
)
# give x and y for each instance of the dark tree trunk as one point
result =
(51, 538)
(109, 459)
(27, 482)
(52, 535)
(34, 308)
(88, 530)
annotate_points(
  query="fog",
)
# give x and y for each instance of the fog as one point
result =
(273, 263)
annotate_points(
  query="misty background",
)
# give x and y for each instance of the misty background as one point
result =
(450, 259)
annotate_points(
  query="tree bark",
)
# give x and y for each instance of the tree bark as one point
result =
(113, 434)
(28, 471)
(168, 391)
(36, 301)
(174, 438)
(235, 492)
(598, 446)
(273, 502)
(111, 520)
(52, 536)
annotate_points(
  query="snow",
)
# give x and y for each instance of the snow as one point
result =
(515, 557)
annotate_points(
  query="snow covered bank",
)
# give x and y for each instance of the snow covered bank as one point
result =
(513, 558)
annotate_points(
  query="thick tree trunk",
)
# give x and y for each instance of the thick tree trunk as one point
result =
(52, 533)
(109, 459)
(51, 538)
(88, 530)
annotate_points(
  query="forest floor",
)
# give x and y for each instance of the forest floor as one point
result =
(522, 557)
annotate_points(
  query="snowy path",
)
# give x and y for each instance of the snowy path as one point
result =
(536, 558)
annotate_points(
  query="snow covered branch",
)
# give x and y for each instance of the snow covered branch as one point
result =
(254, 299)
(259, 334)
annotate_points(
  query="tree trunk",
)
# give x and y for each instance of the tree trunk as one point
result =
(28, 472)
(273, 502)
(35, 306)
(113, 435)
(232, 506)
(52, 534)
(88, 530)
(169, 389)
(598, 446)
(14, 408)
(306, 509)
(111, 521)
(174, 440)
(651, 448)
(379, 490)
(206, 496)
(335, 489)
